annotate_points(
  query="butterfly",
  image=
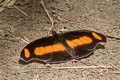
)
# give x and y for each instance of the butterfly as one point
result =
(63, 47)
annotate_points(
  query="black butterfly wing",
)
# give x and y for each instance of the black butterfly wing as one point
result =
(83, 42)
(48, 50)
(33, 51)
(82, 38)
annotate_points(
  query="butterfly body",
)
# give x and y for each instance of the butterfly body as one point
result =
(63, 47)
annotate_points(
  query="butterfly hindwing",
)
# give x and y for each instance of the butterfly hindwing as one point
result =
(84, 38)
(83, 42)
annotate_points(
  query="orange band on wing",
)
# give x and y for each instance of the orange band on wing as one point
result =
(71, 43)
(26, 53)
(49, 49)
(39, 50)
(96, 36)
(79, 42)
(58, 47)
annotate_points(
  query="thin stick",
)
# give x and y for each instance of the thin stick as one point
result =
(20, 10)
(79, 67)
(14, 39)
(61, 19)
(115, 72)
(50, 18)
(36, 77)
(114, 66)
(25, 41)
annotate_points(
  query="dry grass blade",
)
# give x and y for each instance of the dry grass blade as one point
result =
(79, 67)
(21, 11)
(50, 18)
(115, 72)
(114, 66)
(6, 4)
(59, 68)
(36, 77)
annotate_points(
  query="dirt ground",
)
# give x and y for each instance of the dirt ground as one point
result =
(99, 15)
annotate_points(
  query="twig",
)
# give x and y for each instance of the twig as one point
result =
(80, 67)
(14, 39)
(50, 18)
(115, 72)
(36, 77)
(25, 41)
(114, 66)
(61, 19)
(6, 4)
(20, 10)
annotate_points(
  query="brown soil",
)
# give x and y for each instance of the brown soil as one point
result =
(98, 15)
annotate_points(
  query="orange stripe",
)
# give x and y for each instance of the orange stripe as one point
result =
(71, 43)
(79, 42)
(49, 49)
(58, 47)
(96, 36)
(26, 53)
(39, 50)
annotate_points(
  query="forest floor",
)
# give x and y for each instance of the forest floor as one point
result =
(99, 15)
